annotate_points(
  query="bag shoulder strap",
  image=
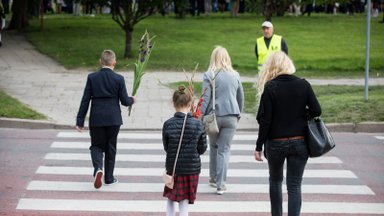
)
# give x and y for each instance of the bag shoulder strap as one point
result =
(213, 93)
(178, 148)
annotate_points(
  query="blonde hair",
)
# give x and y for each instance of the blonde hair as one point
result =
(276, 64)
(220, 60)
(108, 58)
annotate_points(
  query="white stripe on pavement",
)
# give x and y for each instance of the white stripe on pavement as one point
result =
(310, 173)
(199, 206)
(158, 146)
(203, 188)
(161, 158)
(137, 135)
(380, 137)
(121, 135)
(138, 146)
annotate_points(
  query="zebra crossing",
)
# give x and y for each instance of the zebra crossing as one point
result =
(64, 182)
(380, 138)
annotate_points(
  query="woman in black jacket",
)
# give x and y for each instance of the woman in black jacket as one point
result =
(188, 164)
(285, 103)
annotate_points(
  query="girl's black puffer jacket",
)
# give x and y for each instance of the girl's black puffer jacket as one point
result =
(194, 144)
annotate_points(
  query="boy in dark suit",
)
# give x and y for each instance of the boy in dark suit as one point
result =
(107, 90)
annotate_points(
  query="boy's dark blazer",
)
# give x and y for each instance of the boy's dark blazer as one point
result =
(106, 89)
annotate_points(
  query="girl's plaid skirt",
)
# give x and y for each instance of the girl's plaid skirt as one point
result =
(185, 188)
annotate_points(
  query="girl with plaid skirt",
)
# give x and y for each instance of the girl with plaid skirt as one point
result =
(188, 166)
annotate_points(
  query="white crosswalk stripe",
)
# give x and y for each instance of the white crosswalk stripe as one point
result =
(146, 136)
(69, 162)
(161, 158)
(203, 188)
(206, 206)
(59, 170)
(136, 146)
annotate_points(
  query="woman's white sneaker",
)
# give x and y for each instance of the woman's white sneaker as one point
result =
(222, 190)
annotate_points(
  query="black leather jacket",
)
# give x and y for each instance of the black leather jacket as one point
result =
(193, 144)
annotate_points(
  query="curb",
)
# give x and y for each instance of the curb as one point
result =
(45, 124)
(363, 127)
(30, 124)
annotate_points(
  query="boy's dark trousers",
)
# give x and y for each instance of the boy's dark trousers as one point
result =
(103, 140)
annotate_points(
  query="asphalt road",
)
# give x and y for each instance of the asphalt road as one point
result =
(47, 172)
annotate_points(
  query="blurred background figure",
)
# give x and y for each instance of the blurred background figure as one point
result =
(2, 20)
(5, 6)
(235, 8)
(59, 5)
(76, 8)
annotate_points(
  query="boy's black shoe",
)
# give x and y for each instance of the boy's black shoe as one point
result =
(115, 181)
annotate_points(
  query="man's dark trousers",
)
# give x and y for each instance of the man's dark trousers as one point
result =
(103, 140)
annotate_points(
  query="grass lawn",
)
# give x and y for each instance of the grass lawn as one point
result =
(347, 104)
(339, 103)
(12, 108)
(320, 45)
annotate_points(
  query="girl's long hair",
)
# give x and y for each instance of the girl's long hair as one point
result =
(220, 60)
(276, 64)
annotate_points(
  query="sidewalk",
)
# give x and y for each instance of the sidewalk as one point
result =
(49, 88)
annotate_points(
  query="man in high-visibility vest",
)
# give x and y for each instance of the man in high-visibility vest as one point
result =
(268, 44)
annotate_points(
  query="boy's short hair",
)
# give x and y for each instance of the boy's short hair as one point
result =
(108, 57)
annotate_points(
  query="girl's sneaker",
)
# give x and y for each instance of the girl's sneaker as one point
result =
(212, 183)
(222, 190)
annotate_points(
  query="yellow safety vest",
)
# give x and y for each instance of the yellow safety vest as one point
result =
(263, 51)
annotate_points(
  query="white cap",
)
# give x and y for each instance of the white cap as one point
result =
(267, 24)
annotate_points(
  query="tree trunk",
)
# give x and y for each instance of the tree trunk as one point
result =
(181, 8)
(127, 13)
(128, 42)
(280, 9)
(382, 21)
(41, 15)
(268, 10)
(19, 18)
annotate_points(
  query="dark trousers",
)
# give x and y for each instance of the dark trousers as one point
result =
(296, 153)
(103, 141)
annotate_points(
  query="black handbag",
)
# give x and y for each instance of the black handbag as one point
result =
(320, 140)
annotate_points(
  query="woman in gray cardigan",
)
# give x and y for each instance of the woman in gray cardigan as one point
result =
(229, 102)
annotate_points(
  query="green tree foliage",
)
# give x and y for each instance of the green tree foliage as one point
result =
(269, 8)
(181, 7)
(127, 13)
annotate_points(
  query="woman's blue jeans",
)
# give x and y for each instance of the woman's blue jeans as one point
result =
(296, 153)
